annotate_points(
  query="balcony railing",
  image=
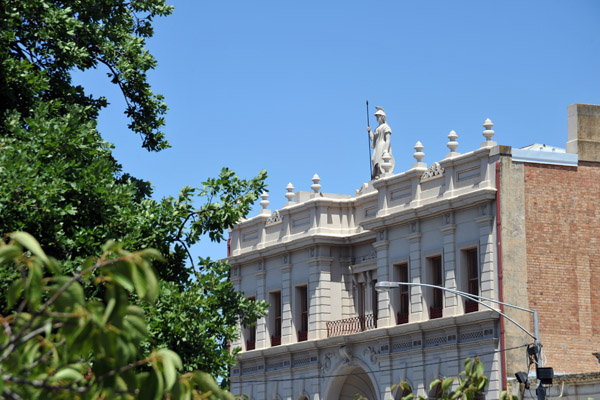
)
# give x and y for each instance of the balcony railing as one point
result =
(471, 306)
(302, 336)
(435, 312)
(275, 340)
(351, 325)
(401, 318)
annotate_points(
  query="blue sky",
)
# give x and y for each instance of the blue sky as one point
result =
(282, 85)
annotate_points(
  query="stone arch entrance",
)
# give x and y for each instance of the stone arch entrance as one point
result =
(353, 380)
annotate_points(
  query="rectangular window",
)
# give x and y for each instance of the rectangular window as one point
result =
(276, 318)
(402, 315)
(437, 302)
(472, 279)
(302, 296)
(251, 334)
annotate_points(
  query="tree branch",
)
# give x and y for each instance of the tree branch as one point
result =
(116, 75)
(22, 339)
(43, 385)
(188, 253)
(11, 395)
(44, 358)
(124, 368)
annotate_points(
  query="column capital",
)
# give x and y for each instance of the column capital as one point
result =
(484, 220)
(286, 267)
(381, 244)
(320, 260)
(414, 237)
(260, 273)
(448, 228)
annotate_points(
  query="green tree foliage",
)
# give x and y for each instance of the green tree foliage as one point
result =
(469, 384)
(42, 41)
(61, 183)
(58, 344)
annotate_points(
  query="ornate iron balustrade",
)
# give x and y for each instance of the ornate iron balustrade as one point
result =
(401, 318)
(435, 312)
(302, 336)
(351, 325)
(471, 306)
(275, 340)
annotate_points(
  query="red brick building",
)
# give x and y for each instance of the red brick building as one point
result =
(549, 241)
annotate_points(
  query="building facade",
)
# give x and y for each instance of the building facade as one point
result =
(481, 222)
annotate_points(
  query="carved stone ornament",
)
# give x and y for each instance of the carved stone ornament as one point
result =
(345, 353)
(261, 265)
(327, 361)
(285, 258)
(275, 218)
(371, 353)
(483, 209)
(413, 227)
(312, 251)
(381, 234)
(434, 172)
(447, 218)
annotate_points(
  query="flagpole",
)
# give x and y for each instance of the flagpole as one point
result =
(369, 141)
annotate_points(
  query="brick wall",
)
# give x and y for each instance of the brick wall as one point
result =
(562, 219)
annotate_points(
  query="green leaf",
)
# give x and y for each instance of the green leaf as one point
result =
(139, 281)
(123, 279)
(110, 306)
(151, 282)
(170, 362)
(14, 292)
(33, 285)
(66, 374)
(150, 254)
(434, 384)
(446, 384)
(9, 252)
(29, 242)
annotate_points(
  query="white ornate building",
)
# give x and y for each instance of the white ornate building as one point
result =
(329, 334)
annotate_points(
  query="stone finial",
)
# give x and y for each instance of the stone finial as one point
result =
(452, 144)
(265, 203)
(316, 187)
(290, 194)
(419, 155)
(488, 133)
(386, 165)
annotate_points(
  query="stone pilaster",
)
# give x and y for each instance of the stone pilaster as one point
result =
(384, 313)
(418, 311)
(347, 295)
(287, 331)
(451, 301)
(486, 253)
(236, 280)
(261, 324)
(319, 283)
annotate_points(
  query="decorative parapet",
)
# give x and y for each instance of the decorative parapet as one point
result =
(457, 180)
(274, 219)
(434, 172)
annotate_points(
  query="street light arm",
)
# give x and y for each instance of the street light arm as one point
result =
(386, 285)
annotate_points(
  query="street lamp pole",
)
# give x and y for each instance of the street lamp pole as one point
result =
(541, 391)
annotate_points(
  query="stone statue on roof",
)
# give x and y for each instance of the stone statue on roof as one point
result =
(380, 142)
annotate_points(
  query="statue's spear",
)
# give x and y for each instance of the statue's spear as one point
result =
(369, 141)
